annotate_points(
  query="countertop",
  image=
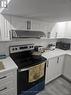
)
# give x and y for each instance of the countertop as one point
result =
(54, 53)
(8, 63)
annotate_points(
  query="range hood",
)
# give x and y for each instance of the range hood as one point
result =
(27, 34)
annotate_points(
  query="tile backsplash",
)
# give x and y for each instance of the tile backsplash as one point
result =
(4, 45)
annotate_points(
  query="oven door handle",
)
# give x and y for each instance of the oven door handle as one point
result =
(26, 69)
(22, 70)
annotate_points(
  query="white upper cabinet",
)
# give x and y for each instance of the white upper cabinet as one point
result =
(7, 27)
(4, 28)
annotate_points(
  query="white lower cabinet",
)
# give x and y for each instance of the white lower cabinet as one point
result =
(60, 62)
(10, 92)
(8, 83)
(51, 70)
(54, 68)
(67, 67)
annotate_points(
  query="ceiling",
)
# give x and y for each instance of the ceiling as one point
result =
(56, 10)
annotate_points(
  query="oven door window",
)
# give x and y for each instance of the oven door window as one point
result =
(36, 72)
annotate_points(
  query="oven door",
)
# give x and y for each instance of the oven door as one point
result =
(29, 77)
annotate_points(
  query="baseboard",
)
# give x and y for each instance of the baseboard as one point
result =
(53, 79)
(64, 77)
(59, 77)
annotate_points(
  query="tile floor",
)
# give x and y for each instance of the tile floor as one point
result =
(58, 87)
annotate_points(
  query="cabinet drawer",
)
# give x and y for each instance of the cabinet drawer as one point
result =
(6, 86)
(6, 78)
(9, 92)
(7, 73)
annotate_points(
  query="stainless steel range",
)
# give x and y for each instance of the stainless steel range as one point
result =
(31, 69)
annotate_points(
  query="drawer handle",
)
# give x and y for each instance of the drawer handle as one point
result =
(3, 77)
(47, 63)
(58, 60)
(3, 89)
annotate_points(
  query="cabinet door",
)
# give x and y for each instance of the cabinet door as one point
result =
(51, 71)
(60, 61)
(7, 22)
(67, 67)
(9, 92)
(4, 27)
(54, 68)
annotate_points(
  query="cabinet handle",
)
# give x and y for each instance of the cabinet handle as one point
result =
(3, 77)
(58, 60)
(3, 89)
(47, 63)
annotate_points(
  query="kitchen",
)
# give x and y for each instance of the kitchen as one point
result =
(50, 20)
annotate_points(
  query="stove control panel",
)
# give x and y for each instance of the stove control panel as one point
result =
(21, 48)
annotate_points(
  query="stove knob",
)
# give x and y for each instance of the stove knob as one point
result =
(30, 47)
(13, 49)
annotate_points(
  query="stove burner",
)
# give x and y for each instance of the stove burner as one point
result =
(28, 62)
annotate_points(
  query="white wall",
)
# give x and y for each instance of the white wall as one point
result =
(63, 29)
